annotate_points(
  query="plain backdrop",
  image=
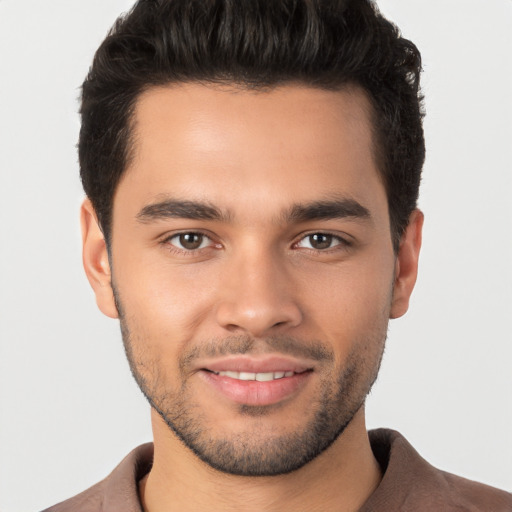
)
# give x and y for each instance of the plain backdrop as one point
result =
(69, 410)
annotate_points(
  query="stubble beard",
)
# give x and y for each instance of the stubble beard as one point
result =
(341, 393)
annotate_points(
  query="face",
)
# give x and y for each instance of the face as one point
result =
(252, 268)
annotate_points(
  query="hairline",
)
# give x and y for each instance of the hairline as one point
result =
(230, 85)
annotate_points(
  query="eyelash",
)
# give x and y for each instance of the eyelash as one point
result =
(342, 243)
(166, 242)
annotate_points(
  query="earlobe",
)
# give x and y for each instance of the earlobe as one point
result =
(407, 265)
(95, 260)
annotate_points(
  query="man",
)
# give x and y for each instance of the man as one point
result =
(252, 171)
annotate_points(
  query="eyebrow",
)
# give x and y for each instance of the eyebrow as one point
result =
(328, 209)
(175, 208)
(196, 210)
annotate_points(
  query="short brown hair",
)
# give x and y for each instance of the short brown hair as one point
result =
(255, 44)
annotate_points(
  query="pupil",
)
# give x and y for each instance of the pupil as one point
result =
(191, 240)
(320, 241)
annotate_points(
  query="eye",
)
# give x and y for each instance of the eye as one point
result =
(189, 241)
(319, 241)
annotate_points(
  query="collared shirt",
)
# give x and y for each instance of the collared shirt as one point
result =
(409, 484)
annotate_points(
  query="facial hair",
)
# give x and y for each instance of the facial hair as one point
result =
(340, 393)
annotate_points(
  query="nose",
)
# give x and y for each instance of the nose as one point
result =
(258, 297)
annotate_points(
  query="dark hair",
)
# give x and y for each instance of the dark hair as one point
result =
(255, 44)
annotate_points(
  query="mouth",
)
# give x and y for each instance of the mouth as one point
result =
(260, 376)
(256, 388)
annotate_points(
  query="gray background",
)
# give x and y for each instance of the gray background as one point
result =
(69, 410)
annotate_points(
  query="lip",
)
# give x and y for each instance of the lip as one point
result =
(255, 365)
(252, 392)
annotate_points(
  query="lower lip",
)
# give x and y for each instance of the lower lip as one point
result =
(252, 392)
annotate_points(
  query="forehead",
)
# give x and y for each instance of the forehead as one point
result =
(222, 144)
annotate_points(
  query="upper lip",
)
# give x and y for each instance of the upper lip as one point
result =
(250, 364)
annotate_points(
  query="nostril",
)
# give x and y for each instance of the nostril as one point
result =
(256, 315)
(232, 327)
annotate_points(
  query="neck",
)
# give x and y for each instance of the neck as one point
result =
(341, 478)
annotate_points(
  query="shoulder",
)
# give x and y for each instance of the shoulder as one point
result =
(90, 500)
(475, 495)
(119, 491)
(410, 483)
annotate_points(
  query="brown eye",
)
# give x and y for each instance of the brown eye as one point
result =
(319, 241)
(189, 241)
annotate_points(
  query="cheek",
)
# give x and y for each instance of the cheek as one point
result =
(163, 303)
(350, 306)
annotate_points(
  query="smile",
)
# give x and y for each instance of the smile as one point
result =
(256, 388)
(260, 377)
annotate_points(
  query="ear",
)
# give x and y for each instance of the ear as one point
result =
(406, 269)
(95, 260)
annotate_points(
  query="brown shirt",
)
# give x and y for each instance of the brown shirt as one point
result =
(409, 484)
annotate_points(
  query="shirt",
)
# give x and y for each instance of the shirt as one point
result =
(409, 484)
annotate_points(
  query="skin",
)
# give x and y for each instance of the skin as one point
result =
(257, 276)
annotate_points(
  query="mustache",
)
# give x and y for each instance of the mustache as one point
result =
(244, 344)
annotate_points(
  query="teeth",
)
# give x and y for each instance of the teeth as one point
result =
(264, 377)
(260, 377)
